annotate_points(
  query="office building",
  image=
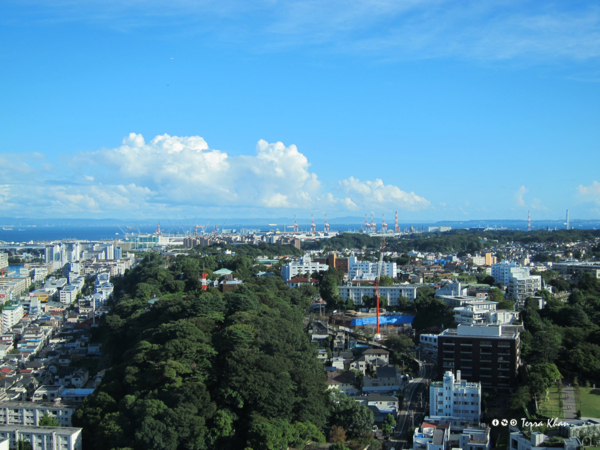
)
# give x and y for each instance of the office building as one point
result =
(486, 354)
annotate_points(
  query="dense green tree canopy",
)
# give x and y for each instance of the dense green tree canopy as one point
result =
(202, 370)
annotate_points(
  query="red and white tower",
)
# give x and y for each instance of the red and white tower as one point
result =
(373, 226)
(295, 224)
(383, 224)
(396, 226)
(528, 221)
(326, 228)
(313, 227)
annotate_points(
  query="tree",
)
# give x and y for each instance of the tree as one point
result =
(329, 288)
(24, 445)
(521, 397)
(48, 421)
(337, 434)
(545, 346)
(399, 343)
(384, 280)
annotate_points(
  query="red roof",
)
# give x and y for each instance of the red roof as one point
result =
(5, 370)
(302, 280)
(25, 371)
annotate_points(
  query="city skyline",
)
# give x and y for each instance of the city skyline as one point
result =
(436, 110)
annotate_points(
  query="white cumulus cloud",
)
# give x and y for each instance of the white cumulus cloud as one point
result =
(591, 192)
(173, 174)
(377, 194)
(519, 196)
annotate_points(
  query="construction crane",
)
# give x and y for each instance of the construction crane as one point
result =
(383, 224)
(326, 227)
(313, 227)
(379, 270)
(396, 226)
(295, 224)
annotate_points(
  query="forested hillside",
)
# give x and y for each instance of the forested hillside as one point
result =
(451, 241)
(199, 370)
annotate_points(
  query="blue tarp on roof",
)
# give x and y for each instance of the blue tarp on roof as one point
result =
(383, 320)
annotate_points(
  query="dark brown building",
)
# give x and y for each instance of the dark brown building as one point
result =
(332, 260)
(487, 354)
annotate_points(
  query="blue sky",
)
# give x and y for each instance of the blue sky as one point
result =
(440, 110)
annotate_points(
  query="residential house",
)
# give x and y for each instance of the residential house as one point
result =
(342, 381)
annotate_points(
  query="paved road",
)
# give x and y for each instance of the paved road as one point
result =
(570, 408)
(416, 390)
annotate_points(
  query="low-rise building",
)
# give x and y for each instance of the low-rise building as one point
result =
(392, 294)
(342, 381)
(579, 428)
(431, 437)
(388, 379)
(30, 413)
(43, 438)
(523, 440)
(302, 267)
(475, 439)
(386, 404)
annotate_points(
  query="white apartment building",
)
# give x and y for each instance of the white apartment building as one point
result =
(483, 312)
(30, 413)
(12, 287)
(358, 268)
(304, 266)
(454, 289)
(501, 271)
(474, 312)
(3, 260)
(56, 283)
(43, 438)
(521, 286)
(68, 294)
(391, 293)
(455, 398)
(11, 315)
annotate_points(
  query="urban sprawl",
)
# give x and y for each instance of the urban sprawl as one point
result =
(454, 355)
